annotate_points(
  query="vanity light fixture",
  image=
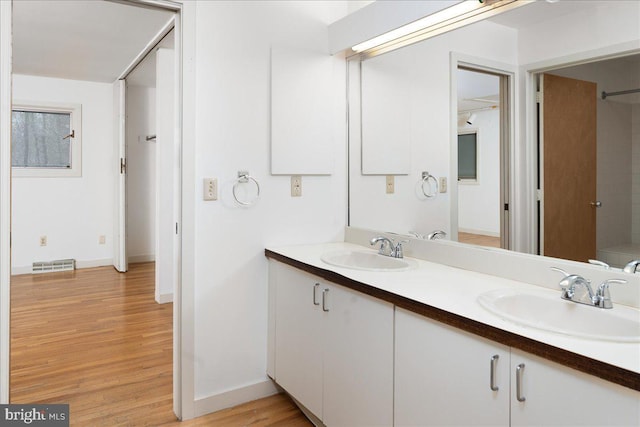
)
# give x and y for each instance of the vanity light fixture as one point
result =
(458, 15)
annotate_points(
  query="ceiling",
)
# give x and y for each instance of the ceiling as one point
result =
(539, 11)
(81, 39)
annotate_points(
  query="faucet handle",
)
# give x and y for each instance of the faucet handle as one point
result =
(603, 297)
(600, 263)
(397, 251)
(559, 270)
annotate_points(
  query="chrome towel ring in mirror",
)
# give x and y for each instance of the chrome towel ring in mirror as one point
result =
(243, 178)
(428, 180)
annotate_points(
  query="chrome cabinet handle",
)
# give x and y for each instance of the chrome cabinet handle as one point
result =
(596, 204)
(324, 300)
(492, 378)
(315, 299)
(519, 373)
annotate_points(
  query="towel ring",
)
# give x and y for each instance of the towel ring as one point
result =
(433, 190)
(243, 178)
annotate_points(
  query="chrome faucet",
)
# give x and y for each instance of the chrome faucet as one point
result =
(387, 248)
(438, 234)
(632, 266)
(601, 298)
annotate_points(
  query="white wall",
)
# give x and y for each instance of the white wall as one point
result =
(232, 133)
(479, 202)
(141, 173)
(429, 65)
(71, 212)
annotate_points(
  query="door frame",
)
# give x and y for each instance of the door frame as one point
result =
(507, 74)
(6, 21)
(183, 326)
(529, 118)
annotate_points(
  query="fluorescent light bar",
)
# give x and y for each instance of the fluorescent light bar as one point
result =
(451, 16)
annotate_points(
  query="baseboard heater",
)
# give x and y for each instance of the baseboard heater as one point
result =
(50, 266)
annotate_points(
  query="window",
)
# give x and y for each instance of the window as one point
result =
(46, 140)
(468, 156)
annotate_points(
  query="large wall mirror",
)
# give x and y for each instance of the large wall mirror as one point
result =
(510, 168)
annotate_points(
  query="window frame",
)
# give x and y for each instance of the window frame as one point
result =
(469, 131)
(75, 111)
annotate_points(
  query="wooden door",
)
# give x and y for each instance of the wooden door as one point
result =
(568, 150)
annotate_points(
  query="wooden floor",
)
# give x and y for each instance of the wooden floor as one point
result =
(479, 239)
(97, 340)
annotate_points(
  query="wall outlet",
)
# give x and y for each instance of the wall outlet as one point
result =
(210, 189)
(443, 184)
(102, 239)
(296, 186)
(391, 186)
(43, 240)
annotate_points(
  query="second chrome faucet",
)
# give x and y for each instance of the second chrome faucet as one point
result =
(571, 285)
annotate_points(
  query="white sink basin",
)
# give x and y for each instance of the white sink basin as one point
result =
(366, 260)
(547, 311)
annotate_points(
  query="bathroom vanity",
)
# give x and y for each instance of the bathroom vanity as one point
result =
(413, 346)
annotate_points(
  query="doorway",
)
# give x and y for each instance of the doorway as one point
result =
(88, 166)
(609, 202)
(481, 160)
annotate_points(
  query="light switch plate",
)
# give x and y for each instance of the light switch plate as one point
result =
(391, 186)
(210, 189)
(443, 184)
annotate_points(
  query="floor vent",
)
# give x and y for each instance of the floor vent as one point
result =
(57, 265)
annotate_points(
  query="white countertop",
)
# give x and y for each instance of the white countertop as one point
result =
(456, 290)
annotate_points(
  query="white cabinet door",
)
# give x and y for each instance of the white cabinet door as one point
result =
(559, 396)
(442, 375)
(298, 340)
(358, 359)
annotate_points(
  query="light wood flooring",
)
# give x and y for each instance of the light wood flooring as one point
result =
(479, 239)
(97, 340)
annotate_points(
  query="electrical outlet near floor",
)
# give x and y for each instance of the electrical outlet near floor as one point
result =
(43, 240)
(391, 186)
(296, 186)
(102, 239)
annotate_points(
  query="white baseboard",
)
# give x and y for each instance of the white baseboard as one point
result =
(164, 298)
(79, 264)
(94, 263)
(134, 259)
(21, 270)
(235, 397)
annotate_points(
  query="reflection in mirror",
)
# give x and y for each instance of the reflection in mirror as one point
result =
(478, 158)
(539, 37)
(600, 217)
